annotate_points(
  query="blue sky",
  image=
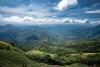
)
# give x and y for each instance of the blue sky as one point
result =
(49, 10)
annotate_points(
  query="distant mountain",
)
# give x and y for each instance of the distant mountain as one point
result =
(95, 31)
(52, 33)
(89, 33)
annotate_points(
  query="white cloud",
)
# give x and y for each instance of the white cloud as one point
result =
(12, 19)
(72, 20)
(65, 4)
(30, 20)
(27, 20)
(94, 11)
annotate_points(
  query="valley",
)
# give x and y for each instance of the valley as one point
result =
(49, 46)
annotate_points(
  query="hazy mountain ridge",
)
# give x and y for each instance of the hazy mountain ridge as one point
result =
(31, 34)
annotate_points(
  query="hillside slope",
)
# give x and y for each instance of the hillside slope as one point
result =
(11, 56)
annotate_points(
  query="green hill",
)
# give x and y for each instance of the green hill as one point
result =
(12, 57)
(48, 55)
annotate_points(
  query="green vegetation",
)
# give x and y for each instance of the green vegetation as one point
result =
(13, 57)
(50, 46)
(79, 53)
(71, 52)
(4, 45)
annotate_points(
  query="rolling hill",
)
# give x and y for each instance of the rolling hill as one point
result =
(14, 57)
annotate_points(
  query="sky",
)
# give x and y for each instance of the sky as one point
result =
(49, 11)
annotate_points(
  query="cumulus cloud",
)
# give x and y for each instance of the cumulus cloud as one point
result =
(65, 4)
(27, 19)
(16, 19)
(31, 20)
(12, 19)
(72, 20)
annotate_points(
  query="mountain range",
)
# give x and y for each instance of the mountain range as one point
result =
(53, 32)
